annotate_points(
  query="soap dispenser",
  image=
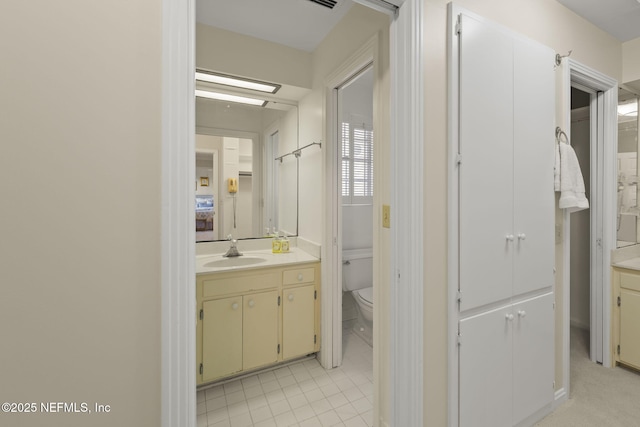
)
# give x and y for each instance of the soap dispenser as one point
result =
(276, 243)
(284, 244)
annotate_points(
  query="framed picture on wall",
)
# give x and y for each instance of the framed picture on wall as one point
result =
(204, 181)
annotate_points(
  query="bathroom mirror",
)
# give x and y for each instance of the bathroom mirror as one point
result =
(241, 189)
(628, 220)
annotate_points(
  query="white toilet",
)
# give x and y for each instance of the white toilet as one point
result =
(357, 278)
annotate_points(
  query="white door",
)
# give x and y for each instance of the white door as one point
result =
(486, 369)
(486, 168)
(534, 139)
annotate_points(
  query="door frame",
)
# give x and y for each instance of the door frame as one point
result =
(403, 364)
(331, 339)
(603, 217)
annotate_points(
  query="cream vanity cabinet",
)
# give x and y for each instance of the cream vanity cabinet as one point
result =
(254, 318)
(502, 172)
(626, 314)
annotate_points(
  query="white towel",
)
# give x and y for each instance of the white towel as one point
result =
(568, 179)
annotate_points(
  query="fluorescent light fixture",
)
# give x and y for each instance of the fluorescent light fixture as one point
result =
(223, 79)
(231, 98)
(630, 109)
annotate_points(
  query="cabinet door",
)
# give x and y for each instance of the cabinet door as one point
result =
(630, 327)
(486, 369)
(534, 142)
(298, 321)
(221, 338)
(260, 329)
(533, 356)
(486, 168)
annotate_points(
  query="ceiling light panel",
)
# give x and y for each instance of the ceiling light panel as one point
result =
(231, 98)
(222, 79)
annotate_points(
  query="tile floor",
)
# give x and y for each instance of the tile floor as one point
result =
(301, 394)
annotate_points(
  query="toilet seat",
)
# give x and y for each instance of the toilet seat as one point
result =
(365, 295)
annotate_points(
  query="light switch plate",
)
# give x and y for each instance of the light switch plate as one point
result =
(386, 216)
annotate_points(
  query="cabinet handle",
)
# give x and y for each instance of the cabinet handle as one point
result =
(234, 306)
(251, 303)
(522, 236)
(522, 313)
(508, 316)
(290, 297)
(300, 277)
(509, 237)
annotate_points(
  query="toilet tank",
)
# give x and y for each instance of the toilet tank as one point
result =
(357, 269)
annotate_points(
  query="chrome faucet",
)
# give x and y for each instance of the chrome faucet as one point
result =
(233, 250)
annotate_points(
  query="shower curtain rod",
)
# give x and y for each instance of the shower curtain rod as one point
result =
(298, 152)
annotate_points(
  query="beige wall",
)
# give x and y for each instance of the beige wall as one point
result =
(80, 125)
(631, 61)
(547, 22)
(240, 55)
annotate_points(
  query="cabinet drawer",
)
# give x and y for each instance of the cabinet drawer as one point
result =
(238, 284)
(299, 275)
(630, 281)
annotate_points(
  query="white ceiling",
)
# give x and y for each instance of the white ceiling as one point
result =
(300, 24)
(620, 18)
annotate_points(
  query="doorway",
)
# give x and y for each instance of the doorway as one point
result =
(601, 91)
(404, 368)
(355, 222)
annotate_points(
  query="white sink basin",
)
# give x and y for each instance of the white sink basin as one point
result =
(234, 262)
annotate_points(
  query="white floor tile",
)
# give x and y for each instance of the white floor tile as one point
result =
(286, 419)
(321, 406)
(232, 387)
(346, 412)
(238, 409)
(261, 414)
(355, 422)
(329, 418)
(267, 423)
(212, 392)
(301, 394)
(311, 422)
(275, 396)
(235, 397)
(218, 415)
(337, 400)
(304, 413)
(257, 402)
(362, 405)
(280, 407)
(297, 401)
(314, 395)
(216, 403)
(243, 420)
(223, 423)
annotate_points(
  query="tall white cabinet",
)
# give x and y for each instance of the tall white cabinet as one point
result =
(502, 160)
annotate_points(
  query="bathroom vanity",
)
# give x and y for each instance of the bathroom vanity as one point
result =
(255, 311)
(626, 312)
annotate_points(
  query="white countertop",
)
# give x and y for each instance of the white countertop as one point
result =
(633, 264)
(251, 260)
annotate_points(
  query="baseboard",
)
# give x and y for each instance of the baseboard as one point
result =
(560, 397)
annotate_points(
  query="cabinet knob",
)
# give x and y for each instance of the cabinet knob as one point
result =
(522, 313)
(234, 306)
(290, 297)
(522, 236)
(508, 316)
(300, 277)
(251, 303)
(509, 237)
